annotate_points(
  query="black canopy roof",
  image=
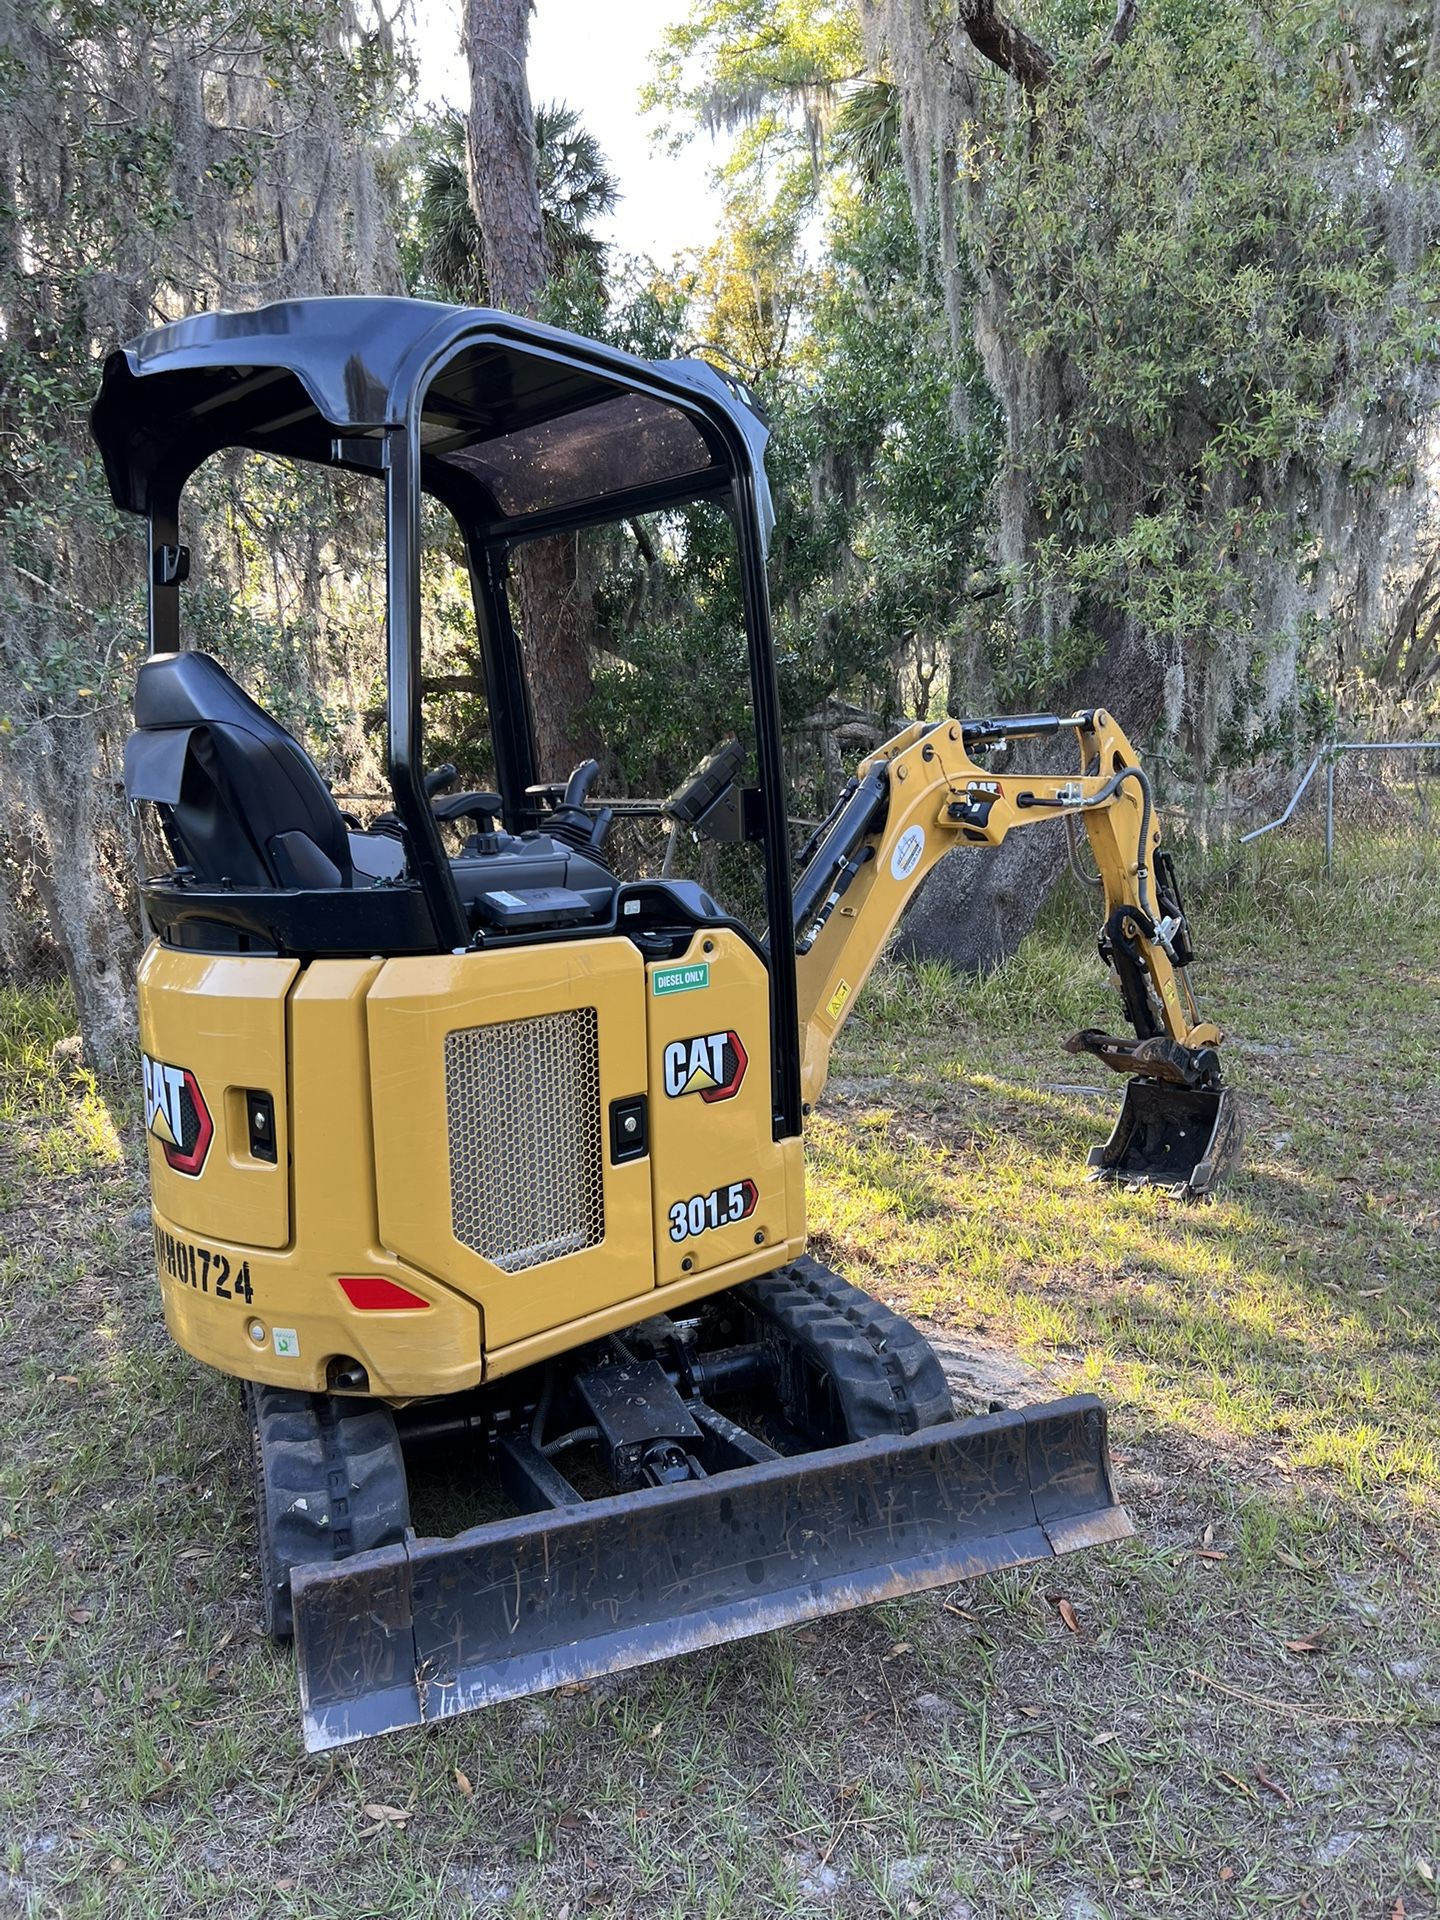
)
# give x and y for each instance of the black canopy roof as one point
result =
(540, 420)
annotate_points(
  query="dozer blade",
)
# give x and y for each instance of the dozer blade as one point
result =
(1184, 1138)
(420, 1631)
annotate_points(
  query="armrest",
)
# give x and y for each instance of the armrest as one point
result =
(482, 808)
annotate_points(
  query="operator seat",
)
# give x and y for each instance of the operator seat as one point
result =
(242, 800)
(244, 805)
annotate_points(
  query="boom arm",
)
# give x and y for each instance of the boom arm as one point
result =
(922, 794)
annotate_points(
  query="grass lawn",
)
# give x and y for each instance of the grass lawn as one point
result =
(1237, 1713)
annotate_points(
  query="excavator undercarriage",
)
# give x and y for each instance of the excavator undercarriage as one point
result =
(809, 1465)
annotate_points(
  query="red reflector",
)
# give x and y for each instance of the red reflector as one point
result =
(370, 1290)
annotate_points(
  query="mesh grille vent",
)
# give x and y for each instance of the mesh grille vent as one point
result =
(523, 1110)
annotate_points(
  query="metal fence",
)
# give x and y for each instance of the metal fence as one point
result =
(1366, 800)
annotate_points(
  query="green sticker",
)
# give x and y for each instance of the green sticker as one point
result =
(681, 979)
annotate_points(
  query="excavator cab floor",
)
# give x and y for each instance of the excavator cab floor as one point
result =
(422, 1630)
(1186, 1139)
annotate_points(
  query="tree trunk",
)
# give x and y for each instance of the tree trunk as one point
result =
(64, 841)
(554, 621)
(504, 189)
(552, 602)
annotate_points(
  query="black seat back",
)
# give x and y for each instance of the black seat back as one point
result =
(241, 799)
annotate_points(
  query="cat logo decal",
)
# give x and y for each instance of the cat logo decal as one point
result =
(176, 1114)
(710, 1064)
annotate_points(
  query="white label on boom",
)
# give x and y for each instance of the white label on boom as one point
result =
(908, 849)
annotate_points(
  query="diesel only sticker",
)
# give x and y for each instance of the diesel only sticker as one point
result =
(721, 1207)
(710, 1064)
(683, 979)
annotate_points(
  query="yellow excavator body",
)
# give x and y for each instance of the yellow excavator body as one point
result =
(439, 1121)
(507, 1238)
(497, 1153)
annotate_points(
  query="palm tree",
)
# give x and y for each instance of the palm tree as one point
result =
(576, 189)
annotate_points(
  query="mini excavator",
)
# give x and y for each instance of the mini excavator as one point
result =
(498, 1151)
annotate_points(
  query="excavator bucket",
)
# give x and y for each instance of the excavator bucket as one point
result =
(426, 1629)
(1186, 1139)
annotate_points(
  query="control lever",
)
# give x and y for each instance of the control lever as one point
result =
(571, 823)
(481, 807)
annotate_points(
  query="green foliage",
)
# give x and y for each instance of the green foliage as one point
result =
(672, 678)
(877, 558)
(1227, 310)
(817, 289)
(739, 64)
(1205, 266)
(137, 174)
(160, 157)
(442, 252)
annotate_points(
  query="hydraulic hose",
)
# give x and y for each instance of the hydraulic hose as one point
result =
(1111, 787)
(1142, 869)
(1077, 866)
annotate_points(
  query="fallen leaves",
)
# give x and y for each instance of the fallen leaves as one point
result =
(170, 1774)
(464, 1783)
(1262, 1779)
(1311, 1643)
(1069, 1616)
(385, 1819)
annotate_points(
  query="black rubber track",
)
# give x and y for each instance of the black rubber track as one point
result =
(329, 1481)
(883, 1375)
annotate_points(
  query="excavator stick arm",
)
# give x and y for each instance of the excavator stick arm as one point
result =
(923, 794)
